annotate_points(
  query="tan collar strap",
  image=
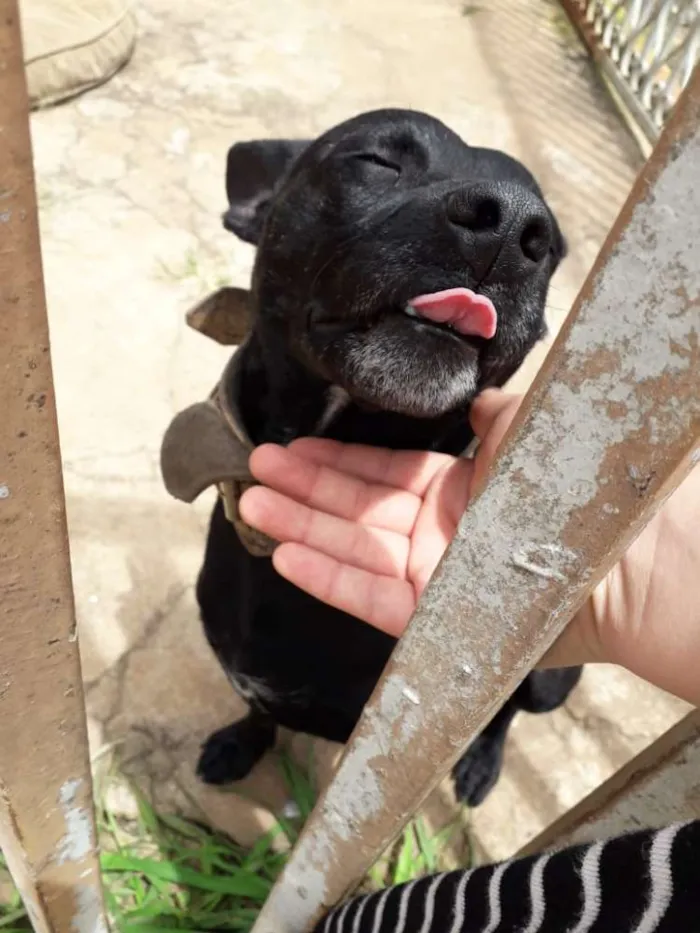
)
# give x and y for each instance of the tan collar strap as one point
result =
(207, 445)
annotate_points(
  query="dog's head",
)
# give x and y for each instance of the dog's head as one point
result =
(396, 261)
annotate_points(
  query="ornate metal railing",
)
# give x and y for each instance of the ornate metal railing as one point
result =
(646, 48)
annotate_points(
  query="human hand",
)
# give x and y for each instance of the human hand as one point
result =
(363, 529)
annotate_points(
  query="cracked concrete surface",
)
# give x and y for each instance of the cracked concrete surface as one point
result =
(130, 181)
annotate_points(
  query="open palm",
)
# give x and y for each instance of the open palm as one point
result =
(362, 528)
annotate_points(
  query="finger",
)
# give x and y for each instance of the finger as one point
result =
(373, 549)
(385, 602)
(487, 407)
(327, 490)
(435, 528)
(410, 470)
(501, 420)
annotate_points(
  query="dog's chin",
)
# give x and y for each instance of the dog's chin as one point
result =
(404, 367)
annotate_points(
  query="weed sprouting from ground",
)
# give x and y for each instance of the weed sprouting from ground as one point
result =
(164, 873)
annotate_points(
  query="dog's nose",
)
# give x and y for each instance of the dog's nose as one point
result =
(505, 229)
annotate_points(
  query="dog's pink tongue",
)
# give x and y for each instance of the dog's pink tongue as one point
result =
(470, 314)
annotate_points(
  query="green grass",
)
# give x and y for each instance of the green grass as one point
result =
(163, 873)
(12, 914)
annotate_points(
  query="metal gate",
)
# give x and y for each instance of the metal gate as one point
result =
(646, 49)
(415, 725)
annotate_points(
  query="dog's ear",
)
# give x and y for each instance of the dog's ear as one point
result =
(254, 172)
(223, 316)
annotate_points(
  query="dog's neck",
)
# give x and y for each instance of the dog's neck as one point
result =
(277, 398)
(280, 400)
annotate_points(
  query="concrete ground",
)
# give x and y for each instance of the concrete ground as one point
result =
(131, 187)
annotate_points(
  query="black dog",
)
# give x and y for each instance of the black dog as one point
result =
(398, 273)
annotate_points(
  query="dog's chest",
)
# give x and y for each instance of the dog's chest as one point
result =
(253, 690)
(257, 691)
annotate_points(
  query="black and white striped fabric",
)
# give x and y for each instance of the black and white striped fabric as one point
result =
(644, 882)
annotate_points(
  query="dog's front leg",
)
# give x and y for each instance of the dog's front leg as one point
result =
(231, 753)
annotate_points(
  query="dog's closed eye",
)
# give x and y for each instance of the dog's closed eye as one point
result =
(377, 162)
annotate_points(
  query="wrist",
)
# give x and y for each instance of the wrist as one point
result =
(579, 643)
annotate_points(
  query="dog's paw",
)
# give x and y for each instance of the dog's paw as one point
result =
(229, 755)
(477, 771)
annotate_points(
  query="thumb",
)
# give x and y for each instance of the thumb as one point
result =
(491, 416)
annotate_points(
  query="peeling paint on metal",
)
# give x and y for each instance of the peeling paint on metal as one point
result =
(542, 560)
(411, 695)
(354, 796)
(77, 841)
(88, 916)
(46, 834)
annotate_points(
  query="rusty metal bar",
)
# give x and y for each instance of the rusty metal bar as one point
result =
(607, 431)
(660, 786)
(47, 832)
